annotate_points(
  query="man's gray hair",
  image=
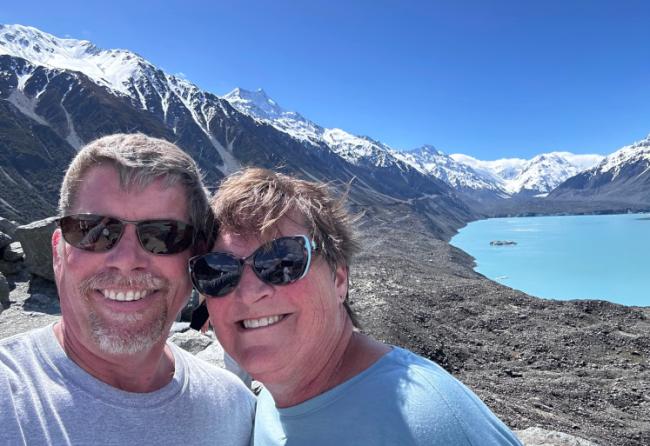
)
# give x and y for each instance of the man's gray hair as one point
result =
(139, 160)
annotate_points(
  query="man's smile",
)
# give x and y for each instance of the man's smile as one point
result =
(125, 295)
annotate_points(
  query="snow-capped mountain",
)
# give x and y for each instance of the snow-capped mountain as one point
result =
(501, 170)
(457, 174)
(122, 72)
(503, 177)
(536, 176)
(260, 106)
(359, 150)
(623, 176)
(58, 94)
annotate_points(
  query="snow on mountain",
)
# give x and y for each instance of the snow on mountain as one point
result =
(637, 152)
(260, 106)
(502, 169)
(354, 149)
(539, 175)
(123, 72)
(622, 177)
(127, 74)
(431, 161)
(112, 68)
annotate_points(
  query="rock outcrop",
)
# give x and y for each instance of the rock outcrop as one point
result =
(4, 293)
(35, 239)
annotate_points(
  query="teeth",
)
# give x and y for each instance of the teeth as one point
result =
(262, 322)
(124, 296)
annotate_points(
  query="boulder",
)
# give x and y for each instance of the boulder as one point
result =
(206, 347)
(535, 436)
(10, 268)
(13, 253)
(35, 239)
(8, 226)
(4, 240)
(4, 293)
(213, 354)
(191, 340)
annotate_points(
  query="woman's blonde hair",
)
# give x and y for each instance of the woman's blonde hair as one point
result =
(254, 200)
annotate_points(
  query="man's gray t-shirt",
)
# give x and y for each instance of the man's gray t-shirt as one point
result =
(47, 399)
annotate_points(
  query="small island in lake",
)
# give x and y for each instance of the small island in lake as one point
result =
(502, 243)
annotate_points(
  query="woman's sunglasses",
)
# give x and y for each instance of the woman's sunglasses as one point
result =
(99, 233)
(279, 262)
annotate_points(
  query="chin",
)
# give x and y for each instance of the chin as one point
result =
(130, 338)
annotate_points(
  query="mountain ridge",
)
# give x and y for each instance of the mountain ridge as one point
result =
(83, 99)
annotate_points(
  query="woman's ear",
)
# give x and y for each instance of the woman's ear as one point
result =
(341, 282)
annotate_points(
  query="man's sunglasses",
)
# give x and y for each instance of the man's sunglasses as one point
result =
(99, 233)
(279, 262)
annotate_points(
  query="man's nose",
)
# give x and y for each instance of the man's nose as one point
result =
(128, 254)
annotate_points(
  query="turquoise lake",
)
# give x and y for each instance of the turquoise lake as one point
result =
(604, 257)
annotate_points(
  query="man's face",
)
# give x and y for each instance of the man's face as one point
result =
(295, 324)
(90, 284)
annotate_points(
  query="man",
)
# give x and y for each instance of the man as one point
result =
(277, 285)
(133, 211)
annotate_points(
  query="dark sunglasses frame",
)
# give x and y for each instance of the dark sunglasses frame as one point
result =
(308, 247)
(183, 233)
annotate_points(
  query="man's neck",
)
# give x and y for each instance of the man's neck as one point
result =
(139, 372)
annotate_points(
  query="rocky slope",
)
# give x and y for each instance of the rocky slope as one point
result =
(578, 367)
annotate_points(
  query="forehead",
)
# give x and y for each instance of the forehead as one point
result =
(102, 193)
(244, 243)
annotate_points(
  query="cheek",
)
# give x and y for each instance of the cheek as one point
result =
(217, 309)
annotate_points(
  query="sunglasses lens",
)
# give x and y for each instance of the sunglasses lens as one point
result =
(164, 236)
(91, 232)
(282, 261)
(215, 274)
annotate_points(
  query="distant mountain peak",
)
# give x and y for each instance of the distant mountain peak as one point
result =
(427, 149)
(259, 105)
(40, 47)
(113, 68)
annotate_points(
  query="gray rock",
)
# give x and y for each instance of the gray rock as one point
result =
(35, 239)
(8, 226)
(179, 327)
(13, 253)
(4, 293)
(191, 340)
(535, 436)
(9, 268)
(4, 240)
(213, 354)
(42, 300)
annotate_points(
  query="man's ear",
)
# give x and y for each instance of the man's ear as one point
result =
(341, 282)
(57, 248)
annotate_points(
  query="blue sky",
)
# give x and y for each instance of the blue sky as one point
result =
(490, 79)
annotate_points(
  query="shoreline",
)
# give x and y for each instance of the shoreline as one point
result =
(547, 273)
(580, 367)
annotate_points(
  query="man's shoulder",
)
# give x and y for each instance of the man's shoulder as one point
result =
(22, 338)
(19, 360)
(21, 345)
